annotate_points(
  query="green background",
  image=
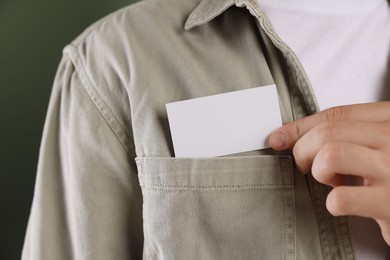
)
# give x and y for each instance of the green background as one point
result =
(32, 35)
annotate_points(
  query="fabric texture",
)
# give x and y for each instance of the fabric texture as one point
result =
(322, 32)
(343, 45)
(108, 185)
(218, 207)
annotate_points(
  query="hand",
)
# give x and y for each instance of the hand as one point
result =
(341, 142)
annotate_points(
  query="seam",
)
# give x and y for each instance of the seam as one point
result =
(100, 104)
(345, 238)
(294, 224)
(190, 187)
(235, 170)
(286, 156)
(311, 101)
(322, 231)
(349, 243)
(99, 98)
(285, 227)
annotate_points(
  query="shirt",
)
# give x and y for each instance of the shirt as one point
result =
(108, 186)
(320, 32)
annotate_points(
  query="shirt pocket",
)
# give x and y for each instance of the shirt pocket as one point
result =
(218, 208)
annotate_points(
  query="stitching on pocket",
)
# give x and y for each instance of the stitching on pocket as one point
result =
(247, 186)
(157, 198)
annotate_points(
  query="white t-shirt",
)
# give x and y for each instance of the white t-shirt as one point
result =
(344, 47)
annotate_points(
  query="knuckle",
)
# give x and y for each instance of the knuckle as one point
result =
(297, 154)
(332, 114)
(296, 128)
(327, 130)
(331, 152)
(324, 163)
(300, 158)
(319, 170)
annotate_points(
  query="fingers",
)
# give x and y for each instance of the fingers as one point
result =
(364, 201)
(340, 142)
(372, 135)
(286, 136)
(359, 201)
(336, 160)
(385, 228)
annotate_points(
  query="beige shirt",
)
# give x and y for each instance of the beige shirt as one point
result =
(108, 186)
(340, 77)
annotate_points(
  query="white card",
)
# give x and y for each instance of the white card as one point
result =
(224, 124)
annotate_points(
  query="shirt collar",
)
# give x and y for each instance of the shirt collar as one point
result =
(207, 10)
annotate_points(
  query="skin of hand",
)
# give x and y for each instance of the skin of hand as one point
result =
(344, 143)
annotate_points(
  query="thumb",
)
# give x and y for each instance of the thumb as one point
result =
(285, 137)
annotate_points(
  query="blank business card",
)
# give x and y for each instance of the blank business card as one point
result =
(223, 124)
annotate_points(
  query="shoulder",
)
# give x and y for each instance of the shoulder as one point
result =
(106, 53)
(140, 20)
(106, 49)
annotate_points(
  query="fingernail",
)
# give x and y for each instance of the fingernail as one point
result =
(277, 140)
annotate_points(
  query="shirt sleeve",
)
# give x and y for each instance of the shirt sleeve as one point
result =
(87, 200)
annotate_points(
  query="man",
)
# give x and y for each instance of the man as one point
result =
(109, 187)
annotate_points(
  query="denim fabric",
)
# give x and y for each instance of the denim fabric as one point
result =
(107, 184)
